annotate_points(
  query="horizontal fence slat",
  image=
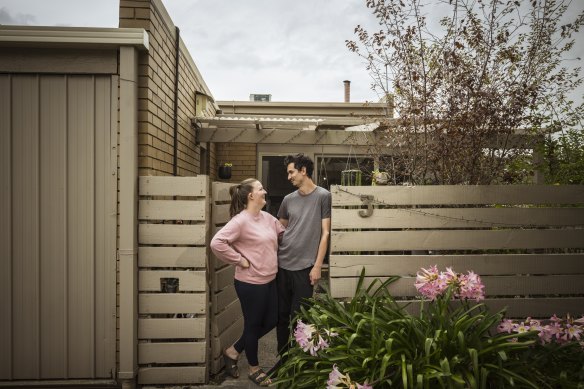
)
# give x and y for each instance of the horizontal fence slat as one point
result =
(171, 328)
(223, 277)
(225, 318)
(457, 217)
(220, 214)
(229, 336)
(172, 234)
(172, 256)
(223, 298)
(383, 265)
(221, 191)
(150, 303)
(188, 281)
(171, 375)
(540, 308)
(172, 210)
(173, 186)
(176, 352)
(460, 194)
(494, 285)
(456, 240)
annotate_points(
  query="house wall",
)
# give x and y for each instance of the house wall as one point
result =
(156, 93)
(241, 155)
(57, 234)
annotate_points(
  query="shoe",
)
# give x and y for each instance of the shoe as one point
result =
(230, 366)
(260, 378)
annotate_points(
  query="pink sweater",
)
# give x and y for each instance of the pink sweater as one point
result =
(252, 237)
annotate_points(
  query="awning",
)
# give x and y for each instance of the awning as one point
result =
(310, 130)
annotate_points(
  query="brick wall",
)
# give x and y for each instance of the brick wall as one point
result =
(156, 93)
(242, 156)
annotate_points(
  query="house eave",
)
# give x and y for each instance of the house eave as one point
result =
(72, 37)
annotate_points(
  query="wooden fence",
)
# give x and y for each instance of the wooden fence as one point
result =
(227, 320)
(173, 299)
(524, 241)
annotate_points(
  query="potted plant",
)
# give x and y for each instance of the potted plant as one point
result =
(379, 177)
(224, 171)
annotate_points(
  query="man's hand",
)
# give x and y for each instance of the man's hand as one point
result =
(315, 274)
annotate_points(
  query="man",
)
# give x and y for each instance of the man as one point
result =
(306, 214)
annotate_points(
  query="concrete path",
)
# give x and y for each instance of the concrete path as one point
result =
(267, 358)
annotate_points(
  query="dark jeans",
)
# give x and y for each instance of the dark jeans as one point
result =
(293, 289)
(259, 304)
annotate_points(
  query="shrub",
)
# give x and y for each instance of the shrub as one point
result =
(372, 341)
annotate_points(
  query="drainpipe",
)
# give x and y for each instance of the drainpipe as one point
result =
(175, 108)
(128, 246)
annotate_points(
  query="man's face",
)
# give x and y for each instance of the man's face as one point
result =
(295, 176)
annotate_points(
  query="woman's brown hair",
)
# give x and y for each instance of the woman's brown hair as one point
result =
(239, 194)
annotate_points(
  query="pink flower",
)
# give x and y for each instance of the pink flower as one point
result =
(471, 287)
(303, 334)
(521, 328)
(506, 326)
(545, 336)
(335, 378)
(572, 332)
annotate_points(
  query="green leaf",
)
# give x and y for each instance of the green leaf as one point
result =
(428, 346)
(445, 366)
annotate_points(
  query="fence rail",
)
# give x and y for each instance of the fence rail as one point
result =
(526, 242)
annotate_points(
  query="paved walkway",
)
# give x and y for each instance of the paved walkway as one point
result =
(267, 358)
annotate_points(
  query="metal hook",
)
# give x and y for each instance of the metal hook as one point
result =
(367, 200)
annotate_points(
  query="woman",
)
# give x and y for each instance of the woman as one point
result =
(250, 242)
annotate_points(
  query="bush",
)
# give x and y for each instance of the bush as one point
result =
(372, 341)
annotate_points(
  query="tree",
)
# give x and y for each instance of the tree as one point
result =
(474, 93)
(564, 158)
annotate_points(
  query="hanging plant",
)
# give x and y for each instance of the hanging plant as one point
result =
(351, 177)
(224, 171)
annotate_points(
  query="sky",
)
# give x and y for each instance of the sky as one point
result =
(293, 50)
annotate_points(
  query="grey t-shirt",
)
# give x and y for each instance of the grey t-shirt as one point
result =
(304, 213)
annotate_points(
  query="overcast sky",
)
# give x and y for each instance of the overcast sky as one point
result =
(293, 50)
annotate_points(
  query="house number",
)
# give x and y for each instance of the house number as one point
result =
(367, 201)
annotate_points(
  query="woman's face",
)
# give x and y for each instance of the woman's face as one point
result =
(258, 195)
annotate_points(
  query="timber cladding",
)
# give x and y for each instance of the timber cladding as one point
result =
(227, 319)
(173, 293)
(526, 242)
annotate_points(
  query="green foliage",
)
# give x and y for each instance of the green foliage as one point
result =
(447, 345)
(564, 159)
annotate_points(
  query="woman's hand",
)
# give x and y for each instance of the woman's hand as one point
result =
(244, 263)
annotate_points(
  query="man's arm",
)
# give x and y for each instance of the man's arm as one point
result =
(284, 222)
(315, 273)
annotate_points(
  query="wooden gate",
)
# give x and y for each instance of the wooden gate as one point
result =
(524, 241)
(173, 303)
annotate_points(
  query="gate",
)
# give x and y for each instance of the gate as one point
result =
(173, 299)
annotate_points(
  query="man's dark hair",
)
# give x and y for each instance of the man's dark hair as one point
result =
(300, 161)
